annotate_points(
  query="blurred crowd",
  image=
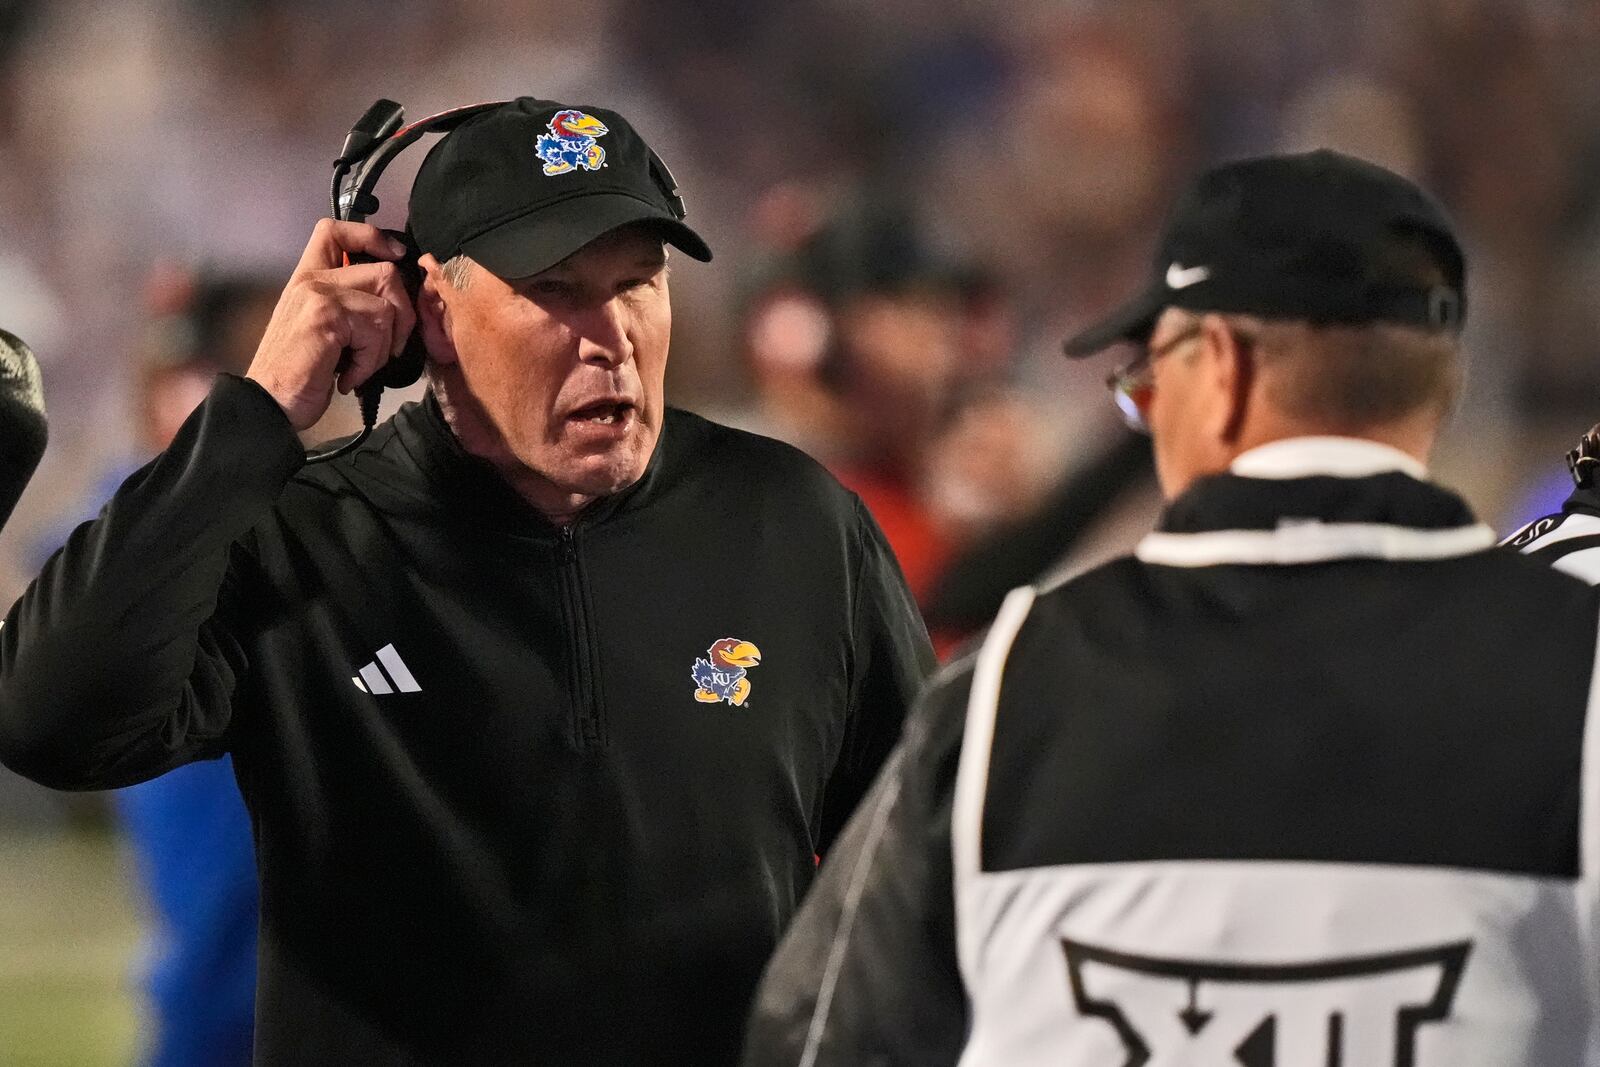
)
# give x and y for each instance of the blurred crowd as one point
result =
(911, 203)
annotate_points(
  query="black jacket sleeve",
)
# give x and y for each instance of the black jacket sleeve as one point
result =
(120, 661)
(891, 660)
(867, 974)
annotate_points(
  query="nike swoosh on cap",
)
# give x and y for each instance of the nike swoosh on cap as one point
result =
(1181, 277)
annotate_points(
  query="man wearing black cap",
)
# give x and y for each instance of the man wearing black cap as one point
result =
(545, 699)
(1305, 780)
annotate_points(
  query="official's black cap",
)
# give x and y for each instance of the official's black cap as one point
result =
(1319, 237)
(522, 187)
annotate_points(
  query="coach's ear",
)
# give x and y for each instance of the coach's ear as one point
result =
(433, 311)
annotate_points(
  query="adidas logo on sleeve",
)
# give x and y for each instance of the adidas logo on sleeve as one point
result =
(386, 674)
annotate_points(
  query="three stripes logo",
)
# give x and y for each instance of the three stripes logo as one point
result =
(386, 674)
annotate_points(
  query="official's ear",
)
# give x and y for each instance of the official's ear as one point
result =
(1230, 378)
(433, 312)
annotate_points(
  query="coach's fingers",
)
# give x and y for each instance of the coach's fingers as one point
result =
(331, 240)
(334, 324)
(369, 322)
(383, 280)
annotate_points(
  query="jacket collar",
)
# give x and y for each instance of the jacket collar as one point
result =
(471, 488)
(1341, 457)
(1312, 500)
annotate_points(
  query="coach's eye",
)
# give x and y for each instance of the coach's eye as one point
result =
(550, 288)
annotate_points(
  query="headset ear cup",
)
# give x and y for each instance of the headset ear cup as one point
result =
(407, 367)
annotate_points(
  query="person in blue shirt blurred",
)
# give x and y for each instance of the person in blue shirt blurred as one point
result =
(188, 830)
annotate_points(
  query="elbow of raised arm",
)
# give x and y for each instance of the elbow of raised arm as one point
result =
(34, 754)
(70, 731)
(39, 745)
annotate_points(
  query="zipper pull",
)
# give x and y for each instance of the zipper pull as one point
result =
(569, 547)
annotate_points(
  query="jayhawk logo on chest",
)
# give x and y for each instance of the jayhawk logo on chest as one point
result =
(570, 144)
(720, 675)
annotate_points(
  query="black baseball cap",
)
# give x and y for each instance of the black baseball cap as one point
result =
(523, 186)
(1317, 236)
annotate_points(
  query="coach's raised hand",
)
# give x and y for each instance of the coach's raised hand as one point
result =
(328, 308)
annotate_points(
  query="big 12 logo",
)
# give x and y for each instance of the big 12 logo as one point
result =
(1349, 1012)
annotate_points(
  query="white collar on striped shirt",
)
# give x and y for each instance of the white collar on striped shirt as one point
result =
(1316, 542)
(1312, 542)
(1340, 457)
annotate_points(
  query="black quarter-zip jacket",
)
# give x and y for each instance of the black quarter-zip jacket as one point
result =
(505, 808)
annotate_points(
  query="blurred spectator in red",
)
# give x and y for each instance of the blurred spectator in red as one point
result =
(896, 364)
(887, 362)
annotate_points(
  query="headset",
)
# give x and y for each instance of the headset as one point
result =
(377, 137)
(373, 142)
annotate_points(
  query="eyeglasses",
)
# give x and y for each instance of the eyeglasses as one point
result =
(1133, 385)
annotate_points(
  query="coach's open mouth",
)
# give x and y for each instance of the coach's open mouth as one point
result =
(611, 415)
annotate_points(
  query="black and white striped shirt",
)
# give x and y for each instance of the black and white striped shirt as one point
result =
(1306, 781)
(1569, 540)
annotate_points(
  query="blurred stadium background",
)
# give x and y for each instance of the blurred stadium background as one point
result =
(911, 202)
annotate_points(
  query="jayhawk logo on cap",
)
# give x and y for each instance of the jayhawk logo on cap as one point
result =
(570, 144)
(721, 674)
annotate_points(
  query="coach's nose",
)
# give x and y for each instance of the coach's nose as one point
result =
(603, 335)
